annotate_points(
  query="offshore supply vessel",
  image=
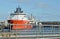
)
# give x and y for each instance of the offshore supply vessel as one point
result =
(19, 20)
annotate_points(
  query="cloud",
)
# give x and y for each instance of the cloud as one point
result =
(42, 5)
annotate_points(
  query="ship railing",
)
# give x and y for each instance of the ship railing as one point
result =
(33, 25)
(38, 30)
(49, 25)
(20, 24)
(37, 33)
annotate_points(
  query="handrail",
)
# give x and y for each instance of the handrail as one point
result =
(33, 25)
(49, 25)
(20, 24)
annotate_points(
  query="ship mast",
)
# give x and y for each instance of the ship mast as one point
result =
(18, 10)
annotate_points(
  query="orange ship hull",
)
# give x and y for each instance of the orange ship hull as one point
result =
(20, 24)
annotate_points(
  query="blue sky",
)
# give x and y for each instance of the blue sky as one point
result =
(44, 10)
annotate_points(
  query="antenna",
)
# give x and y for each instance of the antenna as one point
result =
(18, 3)
(31, 17)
